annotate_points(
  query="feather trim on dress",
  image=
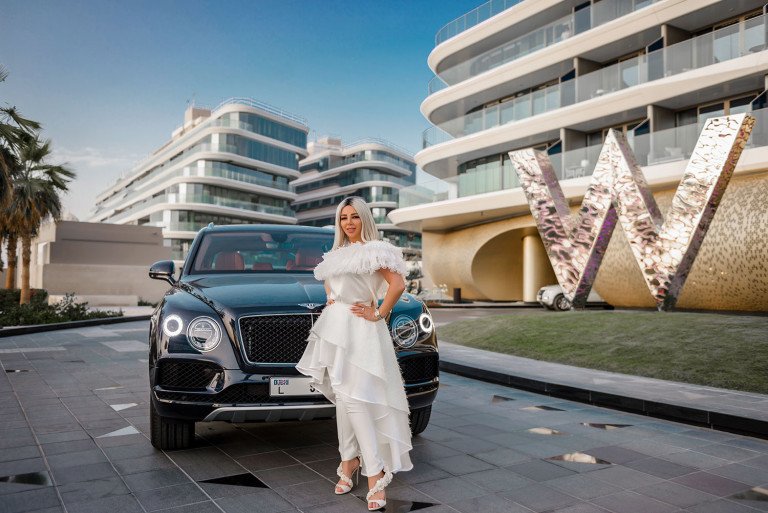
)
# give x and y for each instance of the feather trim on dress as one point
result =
(361, 258)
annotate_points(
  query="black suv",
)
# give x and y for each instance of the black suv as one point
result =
(225, 339)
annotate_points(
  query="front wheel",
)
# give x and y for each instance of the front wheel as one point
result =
(561, 303)
(170, 434)
(420, 419)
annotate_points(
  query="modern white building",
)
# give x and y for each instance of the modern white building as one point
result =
(556, 75)
(227, 165)
(374, 169)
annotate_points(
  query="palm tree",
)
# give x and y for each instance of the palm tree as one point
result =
(13, 129)
(36, 189)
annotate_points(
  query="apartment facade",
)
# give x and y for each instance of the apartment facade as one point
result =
(228, 165)
(374, 169)
(556, 75)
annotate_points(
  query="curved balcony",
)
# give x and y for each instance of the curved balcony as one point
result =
(204, 199)
(472, 18)
(715, 47)
(543, 37)
(674, 144)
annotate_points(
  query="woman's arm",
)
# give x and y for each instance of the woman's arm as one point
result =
(328, 300)
(395, 288)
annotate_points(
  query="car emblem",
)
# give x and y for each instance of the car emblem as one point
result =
(310, 306)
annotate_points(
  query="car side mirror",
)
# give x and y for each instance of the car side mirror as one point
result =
(163, 270)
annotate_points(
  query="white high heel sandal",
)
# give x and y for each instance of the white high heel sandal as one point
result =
(347, 485)
(379, 487)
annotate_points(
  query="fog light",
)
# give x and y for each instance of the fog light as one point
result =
(425, 323)
(172, 325)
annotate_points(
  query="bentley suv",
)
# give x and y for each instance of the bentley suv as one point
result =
(226, 337)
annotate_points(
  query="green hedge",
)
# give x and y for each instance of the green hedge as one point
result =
(38, 311)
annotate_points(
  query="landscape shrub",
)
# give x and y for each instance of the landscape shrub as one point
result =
(38, 311)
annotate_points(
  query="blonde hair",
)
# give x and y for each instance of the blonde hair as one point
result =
(368, 231)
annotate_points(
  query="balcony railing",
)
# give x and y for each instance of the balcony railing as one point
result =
(721, 45)
(206, 199)
(472, 18)
(669, 145)
(555, 32)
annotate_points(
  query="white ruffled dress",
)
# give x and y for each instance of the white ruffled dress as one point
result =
(352, 357)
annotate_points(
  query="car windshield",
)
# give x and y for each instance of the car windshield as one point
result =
(260, 251)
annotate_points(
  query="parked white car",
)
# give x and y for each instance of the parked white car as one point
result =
(552, 297)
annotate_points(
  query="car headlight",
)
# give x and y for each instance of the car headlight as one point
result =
(404, 331)
(425, 323)
(172, 325)
(204, 334)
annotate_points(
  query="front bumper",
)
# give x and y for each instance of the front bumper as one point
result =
(186, 389)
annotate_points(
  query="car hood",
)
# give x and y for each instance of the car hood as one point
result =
(237, 294)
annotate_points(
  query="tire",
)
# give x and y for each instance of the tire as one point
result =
(170, 434)
(561, 304)
(420, 419)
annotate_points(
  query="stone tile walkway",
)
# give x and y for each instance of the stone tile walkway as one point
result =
(74, 422)
(696, 403)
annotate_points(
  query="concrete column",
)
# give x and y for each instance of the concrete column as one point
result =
(537, 271)
(673, 35)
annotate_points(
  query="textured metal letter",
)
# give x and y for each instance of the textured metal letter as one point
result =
(664, 249)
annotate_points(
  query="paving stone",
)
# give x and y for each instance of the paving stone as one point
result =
(92, 490)
(539, 497)
(206, 463)
(720, 506)
(73, 459)
(712, 483)
(112, 504)
(142, 464)
(260, 501)
(540, 470)
(583, 486)
(29, 500)
(462, 464)
(661, 468)
(287, 476)
(451, 489)
(742, 473)
(616, 454)
(198, 507)
(267, 460)
(155, 479)
(170, 496)
(631, 502)
(498, 480)
(624, 477)
(489, 504)
(728, 452)
(83, 473)
(676, 494)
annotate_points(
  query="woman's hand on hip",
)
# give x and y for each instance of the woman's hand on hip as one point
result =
(364, 311)
(329, 302)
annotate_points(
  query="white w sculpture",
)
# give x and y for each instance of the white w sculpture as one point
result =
(664, 249)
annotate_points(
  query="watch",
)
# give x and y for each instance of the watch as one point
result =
(377, 314)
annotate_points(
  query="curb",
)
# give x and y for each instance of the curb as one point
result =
(687, 415)
(40, 328)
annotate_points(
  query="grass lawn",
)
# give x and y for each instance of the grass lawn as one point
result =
(727, 351)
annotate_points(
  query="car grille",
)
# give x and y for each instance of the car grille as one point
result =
(241, 393)
(419, 368)
(275, 338)
(186, 375)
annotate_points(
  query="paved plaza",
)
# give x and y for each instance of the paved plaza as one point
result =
(74, 423)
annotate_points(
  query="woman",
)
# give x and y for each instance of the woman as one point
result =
(350, 355)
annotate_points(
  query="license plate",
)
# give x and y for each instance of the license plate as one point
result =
(287, 386)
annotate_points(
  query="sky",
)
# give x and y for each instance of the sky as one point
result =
(109, 80)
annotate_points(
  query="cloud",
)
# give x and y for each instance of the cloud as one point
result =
(94, 158)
